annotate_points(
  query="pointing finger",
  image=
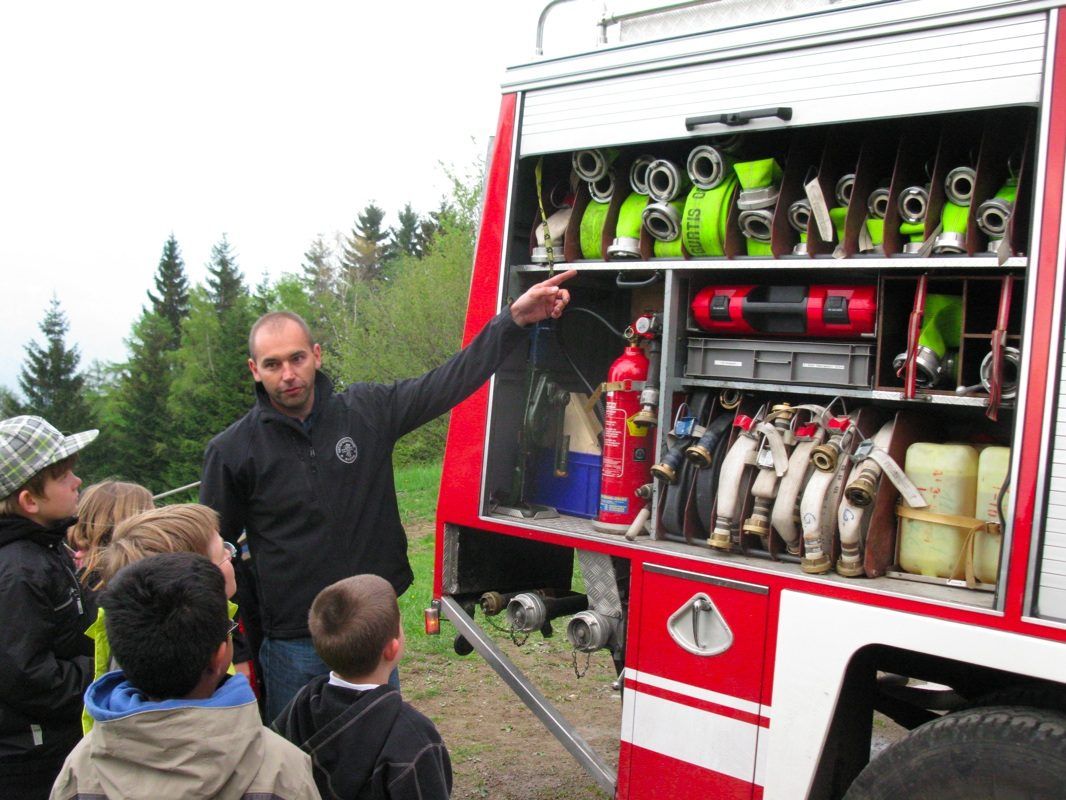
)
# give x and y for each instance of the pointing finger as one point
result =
(558, 278)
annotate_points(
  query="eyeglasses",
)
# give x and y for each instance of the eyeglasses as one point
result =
(232, 628)
(231, 552)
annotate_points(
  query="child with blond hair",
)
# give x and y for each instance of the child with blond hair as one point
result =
(101, 507)
(181, 528)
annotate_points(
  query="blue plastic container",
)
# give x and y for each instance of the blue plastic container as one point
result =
(578, 494)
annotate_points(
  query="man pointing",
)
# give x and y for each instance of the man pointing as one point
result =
(307, 472)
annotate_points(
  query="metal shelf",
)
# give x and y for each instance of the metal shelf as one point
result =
(838, 391)
(863, 263)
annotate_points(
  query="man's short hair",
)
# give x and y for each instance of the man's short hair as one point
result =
(165, 618)
(351, 621)
(275, 319)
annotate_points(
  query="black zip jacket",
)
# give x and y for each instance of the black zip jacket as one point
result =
(45, 656)
(320, 507)
(366, 745)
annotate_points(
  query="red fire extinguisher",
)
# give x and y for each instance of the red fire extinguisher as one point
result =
(628, 441)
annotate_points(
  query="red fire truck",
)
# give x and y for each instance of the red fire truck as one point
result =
(802, 425)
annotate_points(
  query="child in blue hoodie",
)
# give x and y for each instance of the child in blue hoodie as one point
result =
(171, 723)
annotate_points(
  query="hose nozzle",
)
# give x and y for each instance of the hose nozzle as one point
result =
(756, 224)
(706, 166)
(877, 204)
(861, 491)
(959, 185)
(638, 174)
(666, 181)
(591, 165)
(844, 189)
(913, 204)
(602, 188)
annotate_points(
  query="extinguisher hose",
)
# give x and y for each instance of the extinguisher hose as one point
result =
(561, 340)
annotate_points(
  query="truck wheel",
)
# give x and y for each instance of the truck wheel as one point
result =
(990, 753)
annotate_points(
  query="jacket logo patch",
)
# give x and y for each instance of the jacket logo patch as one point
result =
(347, 451)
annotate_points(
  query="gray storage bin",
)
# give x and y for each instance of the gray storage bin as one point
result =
(821, 363)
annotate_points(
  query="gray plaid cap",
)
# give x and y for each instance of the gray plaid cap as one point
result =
(28, 445)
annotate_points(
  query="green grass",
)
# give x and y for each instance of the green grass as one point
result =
(416, 491)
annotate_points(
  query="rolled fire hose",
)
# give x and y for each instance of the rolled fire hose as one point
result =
(703, 225)
(626, 242)
(913, 205)
(740, 455)
(707, 166)
(959, 185)
(668, 249)
(831, 462)
(592, 222)
(993, 215)
(777, 440)
(941, 332)
(799, 217)
(844, 188)
(603, 188)
(663, 220)
(638, 174)
(667, 181)
(952, 236)
(785, 515)
(877, 208)
(591, 165)
(760, 183)
(556, 228)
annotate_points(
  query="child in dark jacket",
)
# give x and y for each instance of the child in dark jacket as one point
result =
(365, 742)
(45, 660)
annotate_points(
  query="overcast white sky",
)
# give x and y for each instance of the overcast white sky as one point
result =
(271, 122)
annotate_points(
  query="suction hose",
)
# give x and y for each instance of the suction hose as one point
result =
(816, 506)
(785, 514)
(776, 438)
(729, 477)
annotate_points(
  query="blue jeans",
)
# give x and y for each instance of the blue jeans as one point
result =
(290, 664)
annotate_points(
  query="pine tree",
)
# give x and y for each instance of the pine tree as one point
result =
(224, 280)
(49, 379)
(407, 239)
(364, 246)
(318, 272)
(319, 283)
(172, 299)
(9, 403)
(142, 419)
(212, 387)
